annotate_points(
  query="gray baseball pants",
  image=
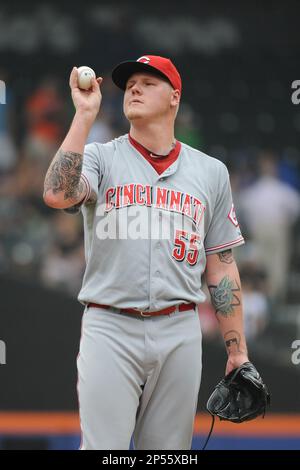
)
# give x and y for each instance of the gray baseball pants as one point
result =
(138, 377)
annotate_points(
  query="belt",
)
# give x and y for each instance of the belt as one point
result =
(165, 311)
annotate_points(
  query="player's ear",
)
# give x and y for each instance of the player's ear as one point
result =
(175, 98)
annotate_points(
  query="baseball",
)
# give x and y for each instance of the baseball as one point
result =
(85, 75)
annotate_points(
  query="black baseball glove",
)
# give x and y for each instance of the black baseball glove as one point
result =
(240, 396)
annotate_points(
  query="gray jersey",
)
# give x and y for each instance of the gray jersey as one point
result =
(148, 235)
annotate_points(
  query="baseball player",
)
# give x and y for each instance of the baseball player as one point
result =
(158, 216)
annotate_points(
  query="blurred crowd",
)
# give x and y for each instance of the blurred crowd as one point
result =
(46, 246)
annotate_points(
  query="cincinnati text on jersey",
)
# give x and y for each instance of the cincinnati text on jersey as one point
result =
(117, 197)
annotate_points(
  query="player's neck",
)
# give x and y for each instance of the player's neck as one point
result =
(156, 139)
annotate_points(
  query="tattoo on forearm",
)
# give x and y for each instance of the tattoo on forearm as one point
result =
(232, 341)
(224, 296)
(226, 256)
(64, 175)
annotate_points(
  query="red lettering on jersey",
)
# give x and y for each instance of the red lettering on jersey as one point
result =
(179, 252)
(118, 196)
(148, 195)
(175, 200)
(139, 190)
(108, 196)
(128, 194)
(198, 211)
(192, 256)
(161, 198)
(186, 206)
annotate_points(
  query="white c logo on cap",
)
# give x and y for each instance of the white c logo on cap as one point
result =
(144, 59)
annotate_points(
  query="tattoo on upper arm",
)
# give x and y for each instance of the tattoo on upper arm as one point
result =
(226, 256)
(64, 175)
(224, 296)
(232, 341)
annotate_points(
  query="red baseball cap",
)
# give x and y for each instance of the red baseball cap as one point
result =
(147, 63)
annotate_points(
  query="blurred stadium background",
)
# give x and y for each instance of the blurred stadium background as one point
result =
(238, 61)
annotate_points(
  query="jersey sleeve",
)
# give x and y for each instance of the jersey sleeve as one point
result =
(223, 231)
(92, 168)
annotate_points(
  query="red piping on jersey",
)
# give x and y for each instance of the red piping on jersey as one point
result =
(240, 239)
(160, 163)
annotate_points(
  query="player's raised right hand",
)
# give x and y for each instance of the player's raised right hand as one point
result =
(86, 102)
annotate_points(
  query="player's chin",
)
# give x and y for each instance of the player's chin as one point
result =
(133, 114)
